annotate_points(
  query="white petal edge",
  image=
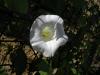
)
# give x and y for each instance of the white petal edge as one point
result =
(47, 48)
(51, 18)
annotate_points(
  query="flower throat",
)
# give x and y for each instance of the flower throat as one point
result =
(47, 33)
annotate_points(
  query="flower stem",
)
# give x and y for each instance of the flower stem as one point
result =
(50, 69)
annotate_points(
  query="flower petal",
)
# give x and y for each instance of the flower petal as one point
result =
(50, 18)
(47, 48)
(51, 48)
(62, 40)
(39, 46)
(53, 45)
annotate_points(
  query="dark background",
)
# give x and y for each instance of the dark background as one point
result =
(80, 55)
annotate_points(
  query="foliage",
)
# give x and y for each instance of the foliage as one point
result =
(81, 55)
(2, 71)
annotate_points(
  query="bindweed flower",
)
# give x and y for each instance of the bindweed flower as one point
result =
(47, 34)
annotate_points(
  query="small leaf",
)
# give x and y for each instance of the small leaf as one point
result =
(43, 73)
(74, 71)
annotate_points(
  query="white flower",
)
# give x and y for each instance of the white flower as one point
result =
(47, 34)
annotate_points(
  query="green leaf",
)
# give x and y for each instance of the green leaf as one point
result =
(44, 66)
(20, 6)
(74, 71)
(43, 73)
(2, 71)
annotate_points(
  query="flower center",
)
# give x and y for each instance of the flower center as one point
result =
(47, 33)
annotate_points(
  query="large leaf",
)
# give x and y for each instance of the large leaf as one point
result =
(17, 5)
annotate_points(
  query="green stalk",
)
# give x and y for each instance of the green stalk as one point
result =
(50, 68)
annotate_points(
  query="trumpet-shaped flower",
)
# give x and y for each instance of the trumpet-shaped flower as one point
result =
(47, 34)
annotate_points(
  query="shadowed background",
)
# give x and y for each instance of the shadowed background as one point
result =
(80, 56)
